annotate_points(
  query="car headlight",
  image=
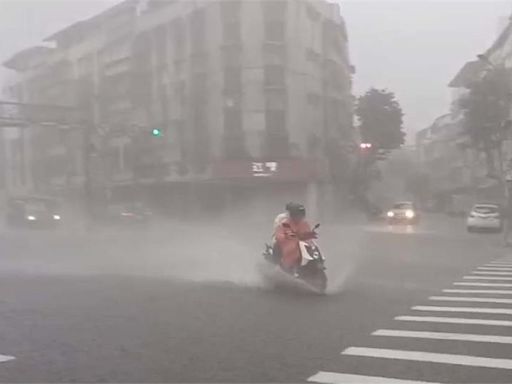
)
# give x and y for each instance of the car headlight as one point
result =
(391, 214)
(56, 217)
(409, 214)
(31, 218)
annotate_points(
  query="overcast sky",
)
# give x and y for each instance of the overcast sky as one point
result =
(412, 47)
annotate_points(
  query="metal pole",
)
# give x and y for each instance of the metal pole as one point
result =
(86, 137)
(507, 222)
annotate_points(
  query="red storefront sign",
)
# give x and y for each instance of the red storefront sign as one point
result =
(267, 169)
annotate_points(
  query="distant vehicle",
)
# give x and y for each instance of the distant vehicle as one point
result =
(32, 211)
(485, 217)
(126, 213)
(403, 213)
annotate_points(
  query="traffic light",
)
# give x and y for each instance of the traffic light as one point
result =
(364, 146)
(156, 132)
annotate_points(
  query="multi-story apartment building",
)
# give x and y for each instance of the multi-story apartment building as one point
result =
(447, 153)
(235, 89)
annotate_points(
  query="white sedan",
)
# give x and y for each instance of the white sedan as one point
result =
(485, 217)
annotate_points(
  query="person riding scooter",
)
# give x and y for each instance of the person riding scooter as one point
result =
(288, 232)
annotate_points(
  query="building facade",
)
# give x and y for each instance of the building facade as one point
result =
(191, 91)
(446, 152)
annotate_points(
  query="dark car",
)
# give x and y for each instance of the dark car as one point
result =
(32, 211)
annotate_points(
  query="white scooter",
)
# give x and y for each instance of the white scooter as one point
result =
(312, 265)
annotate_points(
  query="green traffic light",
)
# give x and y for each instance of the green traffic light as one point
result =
(156, 132)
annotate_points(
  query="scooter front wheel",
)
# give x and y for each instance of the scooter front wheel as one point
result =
(318, 281)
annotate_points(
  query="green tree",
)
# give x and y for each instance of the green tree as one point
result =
(486, 111)
(380, 119)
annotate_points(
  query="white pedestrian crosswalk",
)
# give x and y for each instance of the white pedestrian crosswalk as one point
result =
(493, 273)
(335, 378)
(455, 320)
(486, 291)
(495, 268)
(478, 304)
(467, 284)
(472, 299)
(486, 278)
(431, 308)
(443, 358)
(444, 336)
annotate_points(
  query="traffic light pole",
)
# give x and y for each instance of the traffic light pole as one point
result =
(87, 191)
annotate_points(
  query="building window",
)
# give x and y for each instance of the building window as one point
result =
(178, 38)
(274, 9)
(313, 56)
(198, 30)
(180, 92)
(201, 138)
(232, 120)
(230, 9)
(312, 13)
(275, 121)
(199, 88)
(233, 80)
(276, 99)
(274, 54)
(161, 44)
(276, 135)
(232, 56)
(199, 62)
(274, 31)
(231, 32)
(274, 76)
(314, 99)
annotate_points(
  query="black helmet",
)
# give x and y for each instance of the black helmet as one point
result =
(296, 210)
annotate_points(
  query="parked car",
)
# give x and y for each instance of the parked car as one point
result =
(485, 217)
(124, 213)
(33, 212)
(403, 212)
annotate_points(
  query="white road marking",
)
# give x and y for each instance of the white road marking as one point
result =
(471, 299)
(484, 284)
(443, 358)
(492, 273)
(4, 358)
(444, 336)
(501, 262)
(342, 378)
(428, 308)
(486, 278)
(455, 320)
(495, 268)
(496, 291)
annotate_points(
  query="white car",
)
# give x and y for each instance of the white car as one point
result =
(485, 217)
(403, 213)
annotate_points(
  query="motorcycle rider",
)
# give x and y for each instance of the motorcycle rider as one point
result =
(290, 228)
(282, 217)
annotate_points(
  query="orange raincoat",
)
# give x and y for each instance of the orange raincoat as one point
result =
(287, 235)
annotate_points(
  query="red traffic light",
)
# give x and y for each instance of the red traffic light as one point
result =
(365, 145)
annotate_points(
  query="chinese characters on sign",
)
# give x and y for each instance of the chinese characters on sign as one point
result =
(264, 169)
